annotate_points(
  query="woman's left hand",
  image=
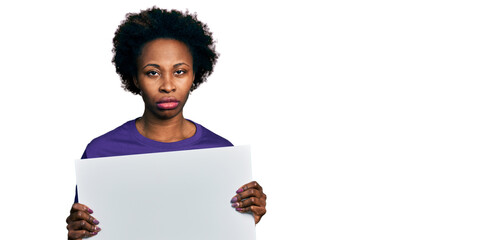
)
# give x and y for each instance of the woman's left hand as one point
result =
(250, 197)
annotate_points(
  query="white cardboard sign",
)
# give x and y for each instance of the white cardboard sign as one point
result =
(171, 195)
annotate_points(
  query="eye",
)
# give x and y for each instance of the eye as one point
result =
(152, 73)
(179, 72)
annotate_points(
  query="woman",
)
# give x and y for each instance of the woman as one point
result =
(162, 56)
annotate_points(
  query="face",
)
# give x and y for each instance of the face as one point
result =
(165, 75)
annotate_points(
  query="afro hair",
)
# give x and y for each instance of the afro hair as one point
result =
(140, 28)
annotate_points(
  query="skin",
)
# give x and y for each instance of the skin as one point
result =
(165, 69)
(250, 198)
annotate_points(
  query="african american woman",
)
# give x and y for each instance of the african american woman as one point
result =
(162, 56)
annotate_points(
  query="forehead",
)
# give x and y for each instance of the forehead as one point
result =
(167, 51)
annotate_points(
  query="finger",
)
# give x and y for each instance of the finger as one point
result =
(83, 225)
(247, 194)
(248, 202)
(256, 210)
(80, 215)
(250, 185)
(80, 207)
(79, 234)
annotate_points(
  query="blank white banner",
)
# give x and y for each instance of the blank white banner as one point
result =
(172, 195)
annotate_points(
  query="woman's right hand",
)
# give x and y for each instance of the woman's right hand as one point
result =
(80, 223)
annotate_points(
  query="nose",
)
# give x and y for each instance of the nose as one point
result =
(167, 84)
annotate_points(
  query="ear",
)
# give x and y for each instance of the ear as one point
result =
(192, 85)
(136, 83)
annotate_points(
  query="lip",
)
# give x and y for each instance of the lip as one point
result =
(167, 103)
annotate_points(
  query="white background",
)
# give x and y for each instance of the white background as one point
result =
(368, 119)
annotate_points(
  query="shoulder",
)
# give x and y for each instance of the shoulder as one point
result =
(207, 139)
(111, 142)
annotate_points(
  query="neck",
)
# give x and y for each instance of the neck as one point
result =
(165, 130)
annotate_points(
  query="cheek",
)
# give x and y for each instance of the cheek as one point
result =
(188, 83)
(145, 97)
(146, 90)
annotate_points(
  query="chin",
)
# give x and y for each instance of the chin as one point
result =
(167, 114)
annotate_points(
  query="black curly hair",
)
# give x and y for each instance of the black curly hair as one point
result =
(140, 28)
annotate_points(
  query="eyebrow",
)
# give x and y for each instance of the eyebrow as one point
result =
(158, 66)
(153, 65)
(181, 63)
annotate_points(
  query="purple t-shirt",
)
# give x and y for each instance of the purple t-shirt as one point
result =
(126, 140)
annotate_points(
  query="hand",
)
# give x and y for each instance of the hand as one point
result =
(80, 223)
(250, 197)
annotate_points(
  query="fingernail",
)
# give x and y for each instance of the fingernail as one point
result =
(90, 210)
(239, 209)
(234, 205)
(93, 233)
(98, 229)
(95, 221)
(234, 199)
(240, 190)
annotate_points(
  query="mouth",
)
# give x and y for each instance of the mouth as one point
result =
(167, 103)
